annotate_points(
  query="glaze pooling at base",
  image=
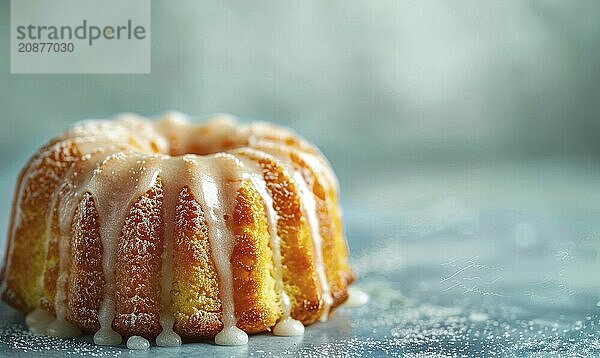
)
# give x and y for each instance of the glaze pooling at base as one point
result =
(287, 326)
(138, 343)
(38, 320)
(167, 338)
(223, 157)
(356, 298)
(63, 329)
(231, 336)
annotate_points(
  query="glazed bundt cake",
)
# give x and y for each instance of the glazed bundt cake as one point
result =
(168, 229)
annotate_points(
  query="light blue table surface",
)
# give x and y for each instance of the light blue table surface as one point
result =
(479, 265)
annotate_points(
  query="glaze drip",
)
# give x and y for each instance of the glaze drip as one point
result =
(113, 200)
(167, 337)
(309, 208)
(286, 326)
(309, 211)
(220, 182)
(60, 327)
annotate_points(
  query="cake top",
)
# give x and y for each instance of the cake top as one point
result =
(174, 134)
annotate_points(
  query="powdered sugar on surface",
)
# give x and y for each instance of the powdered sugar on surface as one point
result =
(454, 280)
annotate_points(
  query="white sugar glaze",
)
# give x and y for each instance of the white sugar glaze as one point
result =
(309, 211)
(137, 343)
(356, 298)
(126, 157)
(38, 320)
(286, 323)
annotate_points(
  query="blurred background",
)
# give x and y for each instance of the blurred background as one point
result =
(466, 120)
(397, 88)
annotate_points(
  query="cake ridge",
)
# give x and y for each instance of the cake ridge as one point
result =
(275, 241)
(308, 206)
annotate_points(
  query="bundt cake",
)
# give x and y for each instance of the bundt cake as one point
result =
(168, 229)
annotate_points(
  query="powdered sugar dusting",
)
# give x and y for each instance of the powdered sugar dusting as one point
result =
(17, 338)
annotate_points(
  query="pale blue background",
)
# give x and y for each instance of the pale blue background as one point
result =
(464, 133)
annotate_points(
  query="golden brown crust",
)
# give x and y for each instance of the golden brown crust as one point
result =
(51, 269)
(341, 246)
(195, 292)
(333, 268)
(138, 267)
(298, 265)
(86, 280)
(256, 300)
(28, 244)
(6, 296)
